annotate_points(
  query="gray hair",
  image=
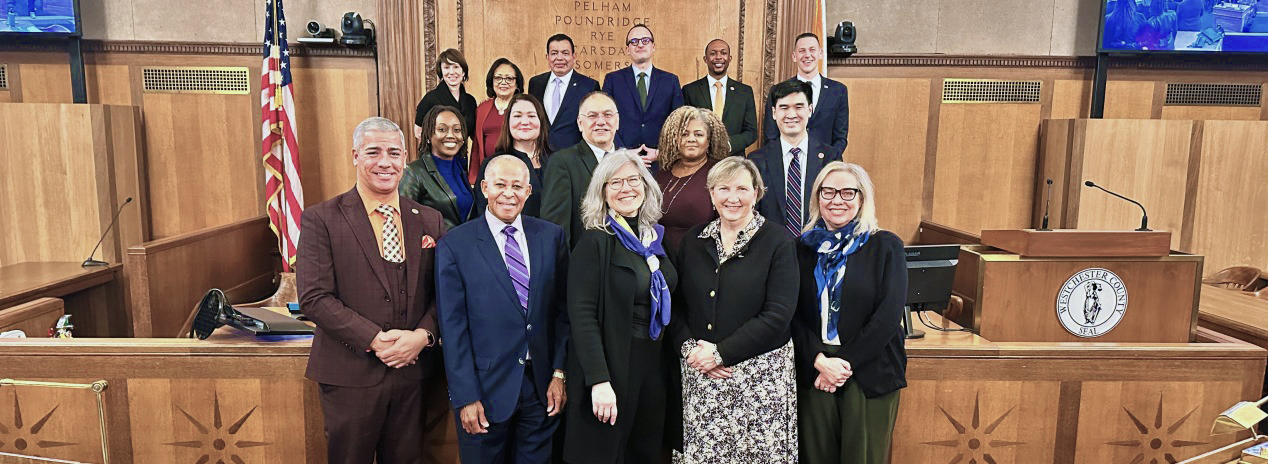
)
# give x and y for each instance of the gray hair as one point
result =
(374, 124)
(730, 168)
(594, 206)
(866, 217)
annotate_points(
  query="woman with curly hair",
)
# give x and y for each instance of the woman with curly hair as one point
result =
(691, 142)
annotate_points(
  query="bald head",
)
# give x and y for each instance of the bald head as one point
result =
(506, 185)
(507, 167)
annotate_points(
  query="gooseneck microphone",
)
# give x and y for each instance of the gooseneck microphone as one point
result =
(1047, 204)
(1144, 217)
(93, 262)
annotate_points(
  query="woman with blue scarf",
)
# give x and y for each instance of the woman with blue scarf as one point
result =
(619, 285)
(847, 329)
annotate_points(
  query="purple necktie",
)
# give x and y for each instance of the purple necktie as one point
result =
(516, 266)
(792, 195)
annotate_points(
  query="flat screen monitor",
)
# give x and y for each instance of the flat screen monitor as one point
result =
(39, 18)
(1191, 26)
(930, 272)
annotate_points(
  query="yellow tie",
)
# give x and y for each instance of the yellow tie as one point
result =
(391, 237)
(719, 103)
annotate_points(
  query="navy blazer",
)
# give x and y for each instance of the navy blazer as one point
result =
(564, 132)
(770, 162)
(639, 126)
(829, 123)
(486, 331)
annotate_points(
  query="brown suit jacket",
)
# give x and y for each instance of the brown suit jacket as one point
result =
(344, 290)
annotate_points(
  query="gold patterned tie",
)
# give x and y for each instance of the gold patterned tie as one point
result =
(719, 103)
(391, 236)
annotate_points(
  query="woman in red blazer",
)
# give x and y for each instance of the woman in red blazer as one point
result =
(503, 82)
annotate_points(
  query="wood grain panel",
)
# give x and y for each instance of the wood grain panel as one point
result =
(203, 161)
(329, 106)
(889, 122)
(1227, 223)
(1071, 98)
(109, 84)
(1145, 160)
(1161, 421)
(6, 96)
(33, 318)
(54, 423)
(46, 83)
(1009, 421)
(1056, 144)
(1129, 99)
(1018, 299)
(985, 165)
(1241, 113)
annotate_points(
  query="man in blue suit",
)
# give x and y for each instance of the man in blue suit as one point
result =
(644, 95)
(830, 122)
(560, 91)
(505, 329)
(790, 164)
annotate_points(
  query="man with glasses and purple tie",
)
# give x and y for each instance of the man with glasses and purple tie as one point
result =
(789, 165)
(560, 91)
(504, 323)
(644, 95)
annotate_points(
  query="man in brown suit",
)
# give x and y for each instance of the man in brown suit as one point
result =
(365, 277)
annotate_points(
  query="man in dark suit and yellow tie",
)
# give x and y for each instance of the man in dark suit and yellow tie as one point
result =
(644, 94)
(365, 277)
(732, 100)
(560, 90)
(830, 122)
(504, 322)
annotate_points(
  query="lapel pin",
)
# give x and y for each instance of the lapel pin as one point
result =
(415, 210)
(820, 157)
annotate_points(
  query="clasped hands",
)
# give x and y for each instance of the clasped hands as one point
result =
(701, 359)
(650, 157)
(399, 348)
(833, 372)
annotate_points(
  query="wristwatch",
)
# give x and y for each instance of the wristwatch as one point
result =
(560, 375)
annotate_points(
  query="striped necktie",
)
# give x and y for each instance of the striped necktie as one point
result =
(515, 264)
(792, 195)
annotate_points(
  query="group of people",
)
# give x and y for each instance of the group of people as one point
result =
(600, 280)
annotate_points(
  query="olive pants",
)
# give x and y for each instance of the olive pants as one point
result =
(846, 426)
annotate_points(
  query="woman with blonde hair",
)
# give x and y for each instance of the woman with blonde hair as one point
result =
(847, 328)
(691, 142)
(619, 286)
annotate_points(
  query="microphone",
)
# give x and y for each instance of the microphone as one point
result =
(1144, 217)
(1047, 204)
(92, 262)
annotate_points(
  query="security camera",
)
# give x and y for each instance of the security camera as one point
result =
(356, 31)
(315, 29)
(842, 42)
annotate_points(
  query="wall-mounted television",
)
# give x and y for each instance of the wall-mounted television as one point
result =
(39, 18)
(1196, 26)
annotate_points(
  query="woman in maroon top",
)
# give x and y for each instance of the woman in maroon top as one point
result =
(691, 142)
(503, 82)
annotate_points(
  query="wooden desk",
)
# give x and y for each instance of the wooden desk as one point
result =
(93, 295)
(1234, 313)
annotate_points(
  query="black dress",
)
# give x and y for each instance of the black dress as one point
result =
(442, 96)
(608, 311)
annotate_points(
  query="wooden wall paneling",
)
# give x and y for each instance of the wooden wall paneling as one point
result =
(1009, 421)
(1129, 99)
(109, 84)
(34, 318)
(1241, 113)
(986, 165)
(329, 104)
(1056, 145)
(125, 140)
(1172, 419)
(203, 160)
(1191, 185)
(889, 121)
(167, 277)
(6, 96)
(1227, 218)
(1071, 98)
(69, 428)
(931, 149)
(1145, 160)
(46, 83)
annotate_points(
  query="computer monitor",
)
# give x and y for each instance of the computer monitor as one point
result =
(930, 273)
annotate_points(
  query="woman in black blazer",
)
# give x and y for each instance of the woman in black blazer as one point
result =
(847, 330)
(733, 308)
(451, 68)
(619, 286)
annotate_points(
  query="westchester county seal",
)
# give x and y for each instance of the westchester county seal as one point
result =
(1091, 302)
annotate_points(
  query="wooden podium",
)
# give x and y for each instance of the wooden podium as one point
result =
(1079, 286)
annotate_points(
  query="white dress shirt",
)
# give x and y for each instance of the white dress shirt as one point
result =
(496, 225)
(599, 152)
(815, 84)
(713, 88)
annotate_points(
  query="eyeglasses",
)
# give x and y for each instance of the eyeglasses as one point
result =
(618, 184)
(847, 194)
(606, 115)
(639, 41)
(503, 79)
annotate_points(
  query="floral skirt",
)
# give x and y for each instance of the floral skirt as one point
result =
(748, 418)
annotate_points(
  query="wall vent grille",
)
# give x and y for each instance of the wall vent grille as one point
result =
(1189, 94)
(218, 80)
(990, 91)
(4, 76)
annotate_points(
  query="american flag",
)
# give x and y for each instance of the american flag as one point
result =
(284, 196)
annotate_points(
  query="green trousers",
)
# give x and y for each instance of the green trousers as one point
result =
(845, 427)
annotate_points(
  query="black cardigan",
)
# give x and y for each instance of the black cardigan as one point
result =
(440, 95)
(745, 305)
(870, 324)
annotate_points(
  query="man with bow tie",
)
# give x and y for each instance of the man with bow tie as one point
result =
(364, 272)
